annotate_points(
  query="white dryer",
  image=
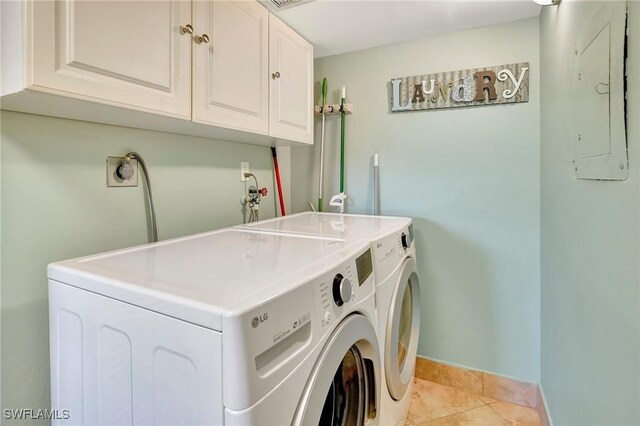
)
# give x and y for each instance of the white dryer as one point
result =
(226, 327)
(398, 309)
(397, 290)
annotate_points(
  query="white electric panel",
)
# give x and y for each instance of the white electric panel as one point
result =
(600, 138)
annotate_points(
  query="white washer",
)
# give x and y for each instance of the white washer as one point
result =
(397, 290)
(227, 327)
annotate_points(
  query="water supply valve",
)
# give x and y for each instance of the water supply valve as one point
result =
(253, 196)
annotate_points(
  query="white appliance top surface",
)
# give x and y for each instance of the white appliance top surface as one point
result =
(331, 225)
(220, 272)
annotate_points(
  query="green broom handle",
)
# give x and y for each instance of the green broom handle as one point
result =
(324, 102)
(342, 117)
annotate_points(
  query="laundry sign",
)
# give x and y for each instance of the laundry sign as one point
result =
(473, 87)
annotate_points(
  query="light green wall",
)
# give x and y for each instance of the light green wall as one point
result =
(590, 245)
(55, 206)
(468, 176)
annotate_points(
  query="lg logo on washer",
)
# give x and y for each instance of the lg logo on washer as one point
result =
(256, 321)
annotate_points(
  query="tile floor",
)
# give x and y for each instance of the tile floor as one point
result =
(437, 405)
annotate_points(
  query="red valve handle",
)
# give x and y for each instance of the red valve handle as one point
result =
(263, 192)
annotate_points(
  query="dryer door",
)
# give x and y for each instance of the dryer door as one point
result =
(403, 327)
(343, 388)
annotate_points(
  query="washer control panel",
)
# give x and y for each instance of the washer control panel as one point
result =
(389, 250)
(338, 290)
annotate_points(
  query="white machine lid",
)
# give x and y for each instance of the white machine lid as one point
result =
(330, 225)
(202, 277)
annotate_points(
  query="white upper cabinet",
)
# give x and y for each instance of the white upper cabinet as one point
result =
(201, 67)
(291, 95)
(127, 53)
(231, 70)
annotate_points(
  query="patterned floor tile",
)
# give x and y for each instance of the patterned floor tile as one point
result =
(431, 401)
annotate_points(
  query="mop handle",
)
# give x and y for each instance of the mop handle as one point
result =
(376, 184)
(342, 117)
(278, 181)
(320, 178)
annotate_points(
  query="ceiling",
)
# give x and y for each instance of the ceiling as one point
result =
(339, 26)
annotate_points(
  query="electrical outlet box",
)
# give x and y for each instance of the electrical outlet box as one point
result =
(113, 180)
(244, 168)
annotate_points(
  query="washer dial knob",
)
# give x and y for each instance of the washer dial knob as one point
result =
(341, 290)
(406, 240)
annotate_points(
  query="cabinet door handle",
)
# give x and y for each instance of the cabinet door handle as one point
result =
(187, 29)
(202, 39)
(275, 75)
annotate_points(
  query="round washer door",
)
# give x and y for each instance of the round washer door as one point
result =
(343, 388)
(403, 328)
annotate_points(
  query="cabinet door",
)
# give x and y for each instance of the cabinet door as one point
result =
(291, 95)
(125, 53)
(230, 71)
